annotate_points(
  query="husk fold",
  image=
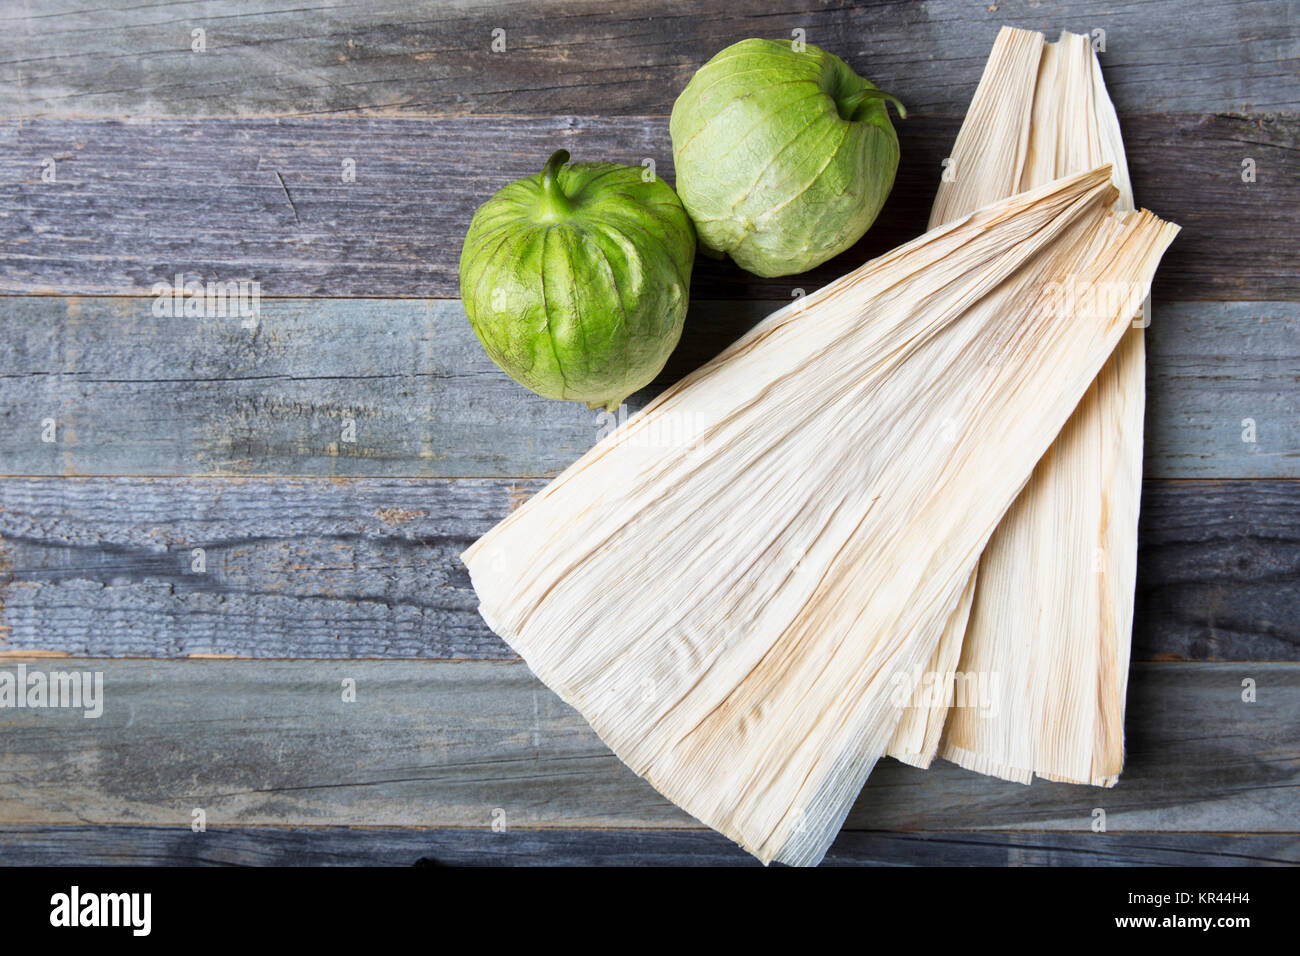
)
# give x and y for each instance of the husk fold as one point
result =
(733, 587)
(1052, 608)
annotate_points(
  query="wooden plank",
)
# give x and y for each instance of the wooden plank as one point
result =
(134, 203)
(63, 58)
(134, 393)
(463, 744)
(1223, 391)
(368, 568)
(293, 568)
(388, 846)
(138, 394)
(1216, 578)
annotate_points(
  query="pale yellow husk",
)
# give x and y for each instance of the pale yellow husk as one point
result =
(1050, 622)
(736, 587)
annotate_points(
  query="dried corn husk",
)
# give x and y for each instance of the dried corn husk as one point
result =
(734, 587)
(1053, 605)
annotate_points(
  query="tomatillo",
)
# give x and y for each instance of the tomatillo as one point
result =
(576, 280)
(784, 155)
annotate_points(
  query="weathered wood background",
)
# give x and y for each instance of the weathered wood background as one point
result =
(127, 156)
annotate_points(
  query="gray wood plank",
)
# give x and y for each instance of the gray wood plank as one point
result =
(1223, 390)
(341, 569)
(64, 58)
(293, 568)
(133, 393)
(439, 744)
(136, 202)
(1216, 578)
(137, 394)
(389, 846)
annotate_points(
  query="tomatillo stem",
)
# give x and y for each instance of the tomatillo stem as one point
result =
(554, 203)
(862, 96)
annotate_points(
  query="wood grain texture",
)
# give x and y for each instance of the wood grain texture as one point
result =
(1223, 391)
(1215, 578)
(273, 57)
(370, 569)
(294, 568)
(388, 846)
(136, 202)
(136, 394)
(449, 744)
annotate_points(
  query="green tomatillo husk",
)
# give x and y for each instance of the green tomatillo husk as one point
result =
(576, 280)
(784, 155)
